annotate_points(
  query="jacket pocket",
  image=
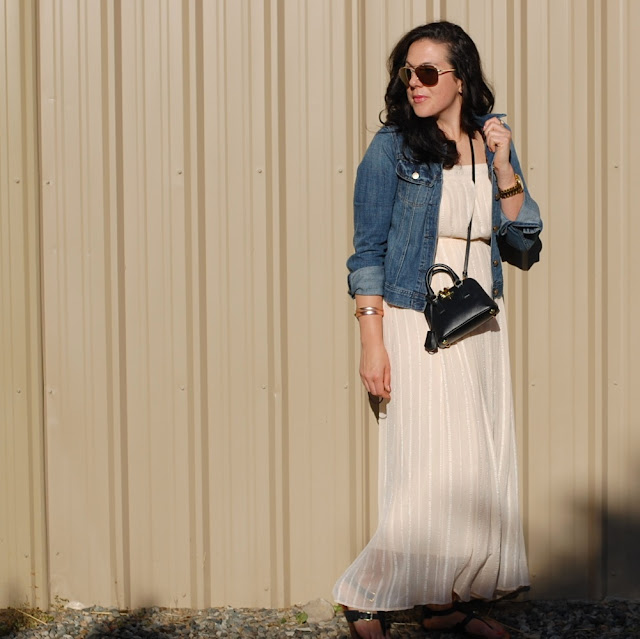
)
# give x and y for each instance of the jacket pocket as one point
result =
(414, 182)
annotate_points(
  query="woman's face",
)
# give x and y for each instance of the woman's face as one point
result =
(444, 100)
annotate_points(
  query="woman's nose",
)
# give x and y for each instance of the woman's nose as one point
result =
(413, 80)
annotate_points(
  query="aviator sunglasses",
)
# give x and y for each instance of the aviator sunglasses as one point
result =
(426, 73)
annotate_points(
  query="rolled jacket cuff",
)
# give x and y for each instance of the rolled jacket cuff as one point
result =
(368, 280)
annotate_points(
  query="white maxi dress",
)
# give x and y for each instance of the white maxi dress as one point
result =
(449, 521)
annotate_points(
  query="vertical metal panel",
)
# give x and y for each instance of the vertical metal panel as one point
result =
(208, 441)
(85, 536)
(620, 270)
(320, 112)
(559, 433)
(22, 529)
(156, 316)
(241, 395)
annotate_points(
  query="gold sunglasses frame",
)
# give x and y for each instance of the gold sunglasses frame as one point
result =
(410, 70)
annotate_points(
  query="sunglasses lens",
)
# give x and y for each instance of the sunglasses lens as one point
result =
(405, 75)
(427, 75)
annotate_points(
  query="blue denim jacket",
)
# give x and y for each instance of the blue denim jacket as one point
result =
(396, 207)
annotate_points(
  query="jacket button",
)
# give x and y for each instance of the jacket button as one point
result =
(415, 175)
(495, 291)
(495, 229)
(495, 262)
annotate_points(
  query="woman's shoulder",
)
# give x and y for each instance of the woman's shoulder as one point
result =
(388, 134)
(386, 140)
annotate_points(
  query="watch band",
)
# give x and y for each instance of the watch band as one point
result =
(511, 191)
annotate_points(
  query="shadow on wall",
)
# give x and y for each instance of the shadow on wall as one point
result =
(603, 558)
(620, 548)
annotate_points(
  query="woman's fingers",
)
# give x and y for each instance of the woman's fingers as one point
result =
(375, 371)
(498, 139)
(386, 379)
(496, 134)
(375, 384)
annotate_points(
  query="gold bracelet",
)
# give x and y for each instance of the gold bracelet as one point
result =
(511, 191)
(368, 310)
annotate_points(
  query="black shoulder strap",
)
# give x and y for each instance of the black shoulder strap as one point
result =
(473, 177)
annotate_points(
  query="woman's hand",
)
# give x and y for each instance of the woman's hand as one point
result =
(498, 139)
(375, 370)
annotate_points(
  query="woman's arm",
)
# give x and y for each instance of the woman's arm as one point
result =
(375, 370)
(374, 196)
(373, 199)
(498, 138)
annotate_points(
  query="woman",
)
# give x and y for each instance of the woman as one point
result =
(449, 526)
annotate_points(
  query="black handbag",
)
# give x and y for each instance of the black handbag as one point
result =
(455, 312)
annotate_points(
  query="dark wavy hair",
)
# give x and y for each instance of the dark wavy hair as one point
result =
(425, 141)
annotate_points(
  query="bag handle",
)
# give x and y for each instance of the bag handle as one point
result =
(440, 268)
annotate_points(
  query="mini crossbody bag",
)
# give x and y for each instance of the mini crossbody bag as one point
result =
(455, 312)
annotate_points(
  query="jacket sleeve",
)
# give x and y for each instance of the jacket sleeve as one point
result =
(374, 196)
(521, 233)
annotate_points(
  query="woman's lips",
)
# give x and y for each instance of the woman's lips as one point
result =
(419, 98)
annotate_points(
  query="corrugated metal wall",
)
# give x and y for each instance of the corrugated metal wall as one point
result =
(23, 561)
(186, 175)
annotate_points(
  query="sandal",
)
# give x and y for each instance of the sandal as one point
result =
(360, 615)
(461, 626)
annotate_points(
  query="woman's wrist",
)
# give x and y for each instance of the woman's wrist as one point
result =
(506, 177)
(370, 329)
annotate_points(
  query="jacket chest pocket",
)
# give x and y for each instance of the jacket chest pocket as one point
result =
(415, 182)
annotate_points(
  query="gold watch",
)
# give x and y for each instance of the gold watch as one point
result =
(511, 191)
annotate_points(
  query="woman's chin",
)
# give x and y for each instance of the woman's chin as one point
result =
(422, 110)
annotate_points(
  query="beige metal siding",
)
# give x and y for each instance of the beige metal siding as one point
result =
(620, 341)
(23, 574)
(208, 441)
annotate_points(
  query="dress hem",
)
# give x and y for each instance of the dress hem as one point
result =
(499, 595)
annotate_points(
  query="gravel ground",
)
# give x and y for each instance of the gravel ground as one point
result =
(525, 620)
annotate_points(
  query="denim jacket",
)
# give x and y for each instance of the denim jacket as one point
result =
(396, 208)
